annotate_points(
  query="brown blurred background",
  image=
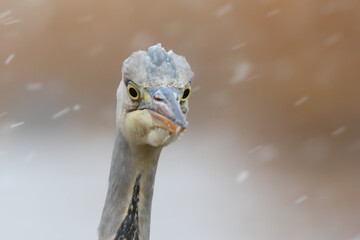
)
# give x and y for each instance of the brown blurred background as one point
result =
(273, 147)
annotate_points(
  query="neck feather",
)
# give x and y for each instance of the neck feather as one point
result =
(127, 210)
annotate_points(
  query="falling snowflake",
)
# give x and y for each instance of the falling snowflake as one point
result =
(253, 150)
(338, 131)
(242, 176)
(273, 12)
(34, 86)
(9, 58)
(238, 46)
(301, 101)
(5, 14)
(195, 89)
(241, 72)
(3, 114)
(15, 125)
(76, 107)
(301, 199)
(332, 40)
(60, 113)
(224, 10)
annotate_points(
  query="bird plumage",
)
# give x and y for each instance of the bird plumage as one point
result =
(157, 67)
(151, 112)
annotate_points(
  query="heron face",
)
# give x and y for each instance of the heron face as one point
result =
(153, 115)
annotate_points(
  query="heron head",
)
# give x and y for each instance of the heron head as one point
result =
(153, 97)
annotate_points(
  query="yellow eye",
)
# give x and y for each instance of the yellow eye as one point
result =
(133, 92)
(186, 93)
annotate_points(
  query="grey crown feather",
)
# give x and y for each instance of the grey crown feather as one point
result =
(156, 67)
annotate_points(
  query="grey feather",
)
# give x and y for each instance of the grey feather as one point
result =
(146, 69)
(156, 66)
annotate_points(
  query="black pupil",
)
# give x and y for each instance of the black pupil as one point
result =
(186, 93)
(133, 92)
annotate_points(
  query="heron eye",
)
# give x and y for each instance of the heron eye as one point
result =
(186, 93)
(133, 92)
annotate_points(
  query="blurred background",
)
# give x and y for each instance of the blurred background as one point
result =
(273, 147)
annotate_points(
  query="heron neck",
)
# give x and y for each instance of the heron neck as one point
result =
(127, 210)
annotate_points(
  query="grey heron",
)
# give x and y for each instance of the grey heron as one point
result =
(152, 104)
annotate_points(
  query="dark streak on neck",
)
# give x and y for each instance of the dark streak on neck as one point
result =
(129, 228)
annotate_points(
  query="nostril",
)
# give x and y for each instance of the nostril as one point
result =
(158, 99)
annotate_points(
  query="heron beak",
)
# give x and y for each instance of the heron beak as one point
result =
(164, 106)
